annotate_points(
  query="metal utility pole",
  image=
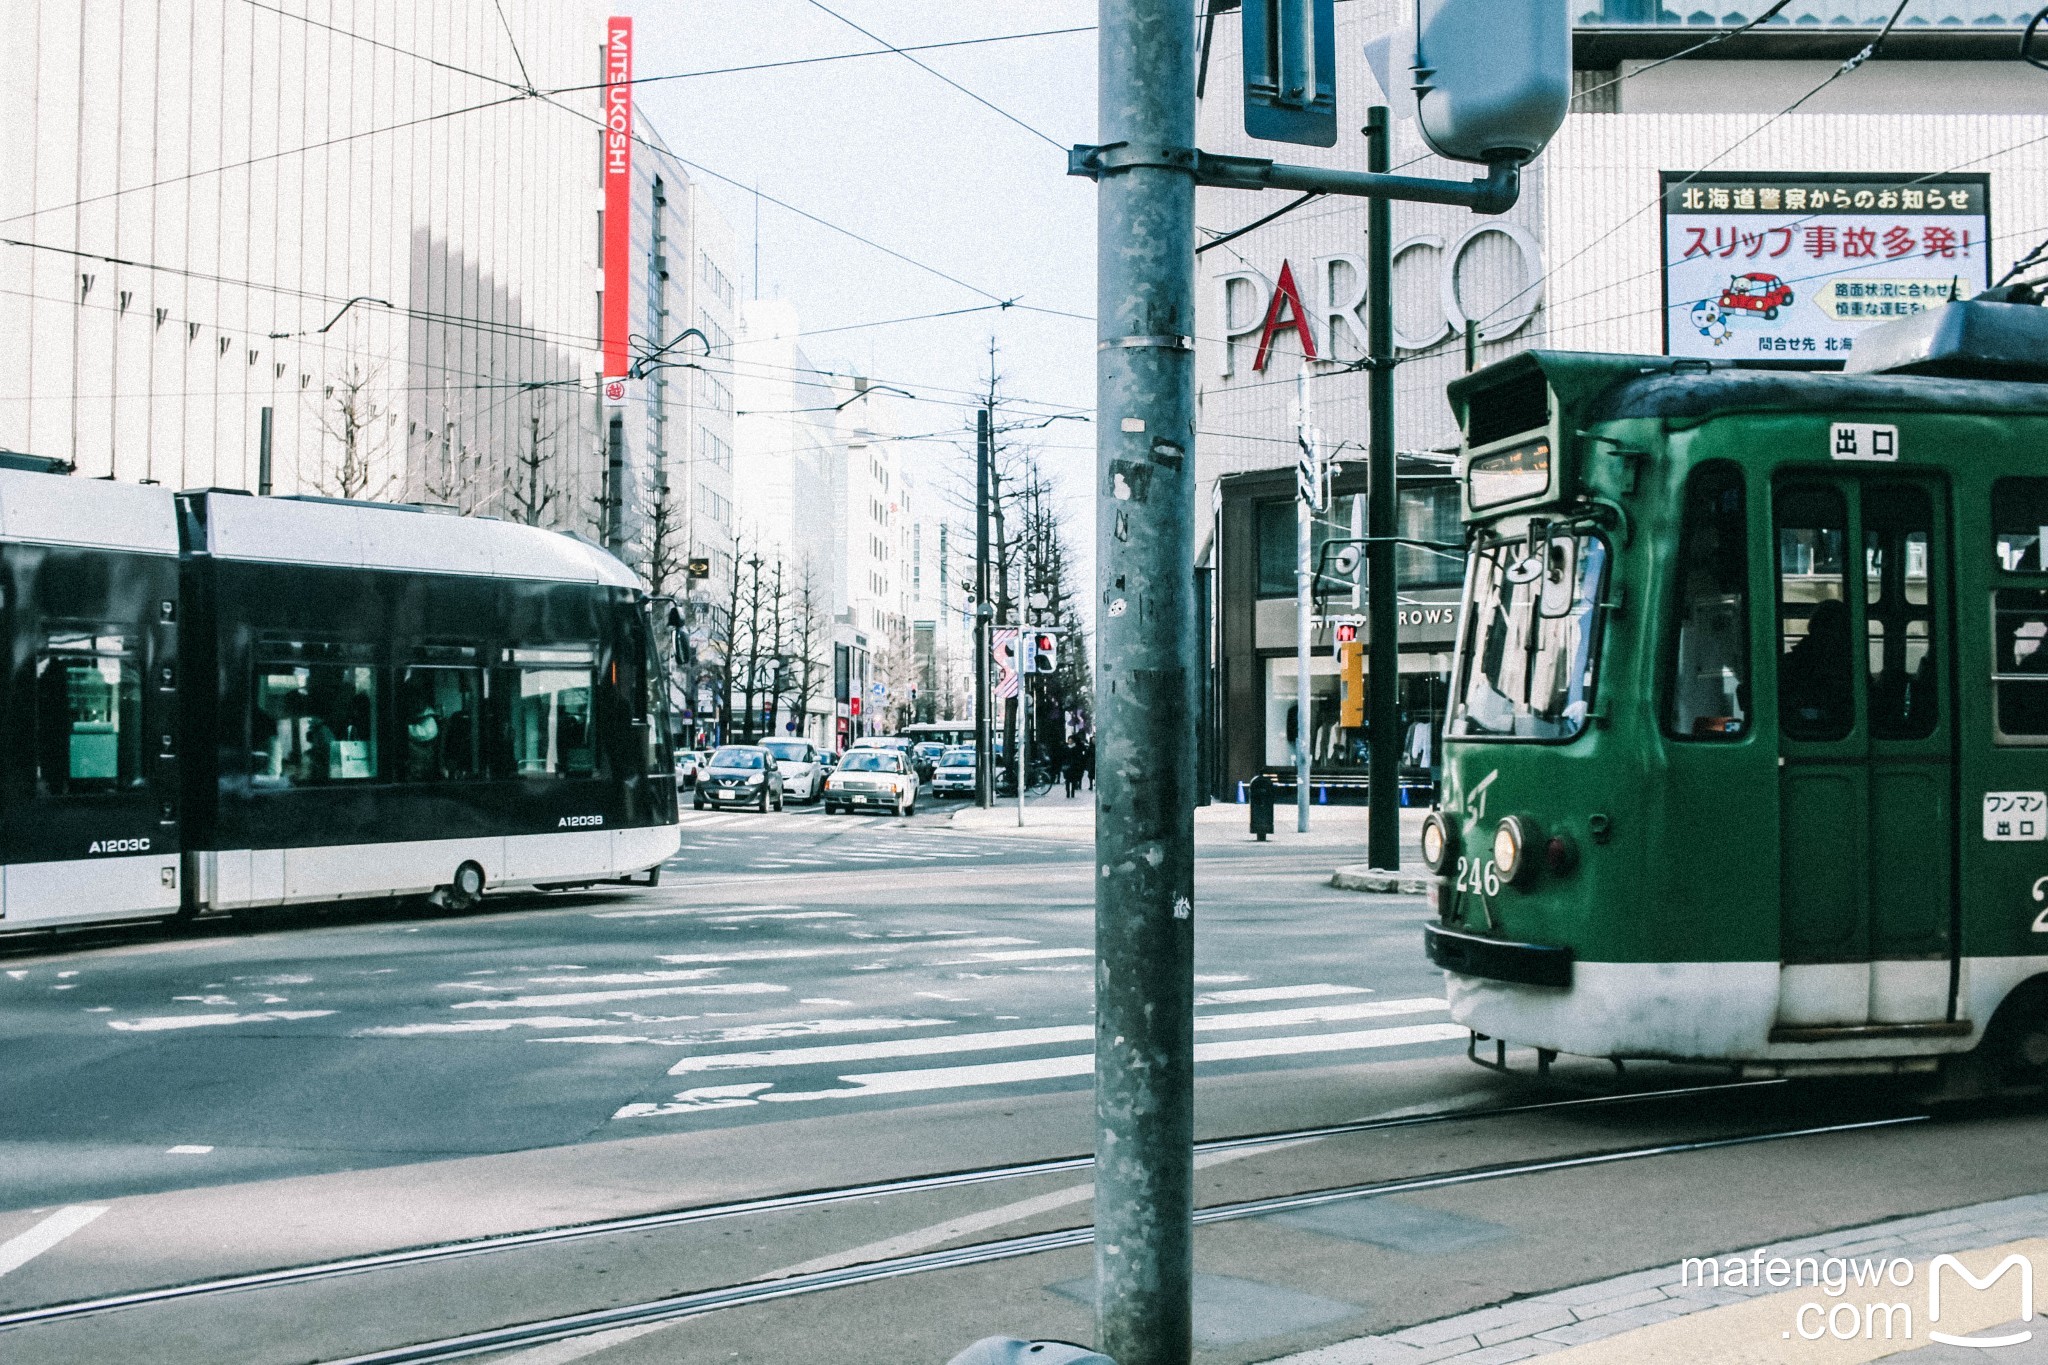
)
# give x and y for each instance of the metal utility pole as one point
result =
(1023, 695)
(984, 619)
(263, 458)
(1145, 686)
(1307, 502)
(1383, 650)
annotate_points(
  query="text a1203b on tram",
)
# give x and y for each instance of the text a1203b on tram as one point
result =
(1749, 730)
(220, 701)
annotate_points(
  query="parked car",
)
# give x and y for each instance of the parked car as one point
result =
(803, 774)
(954, 775)
(925, 756)
(1756, 293)
(872, 777)
(741, 774)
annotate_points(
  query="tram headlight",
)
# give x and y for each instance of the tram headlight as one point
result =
(1514, 840)
(1438, 842)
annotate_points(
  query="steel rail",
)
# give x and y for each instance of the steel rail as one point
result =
(700, 1302)
(480, 1246)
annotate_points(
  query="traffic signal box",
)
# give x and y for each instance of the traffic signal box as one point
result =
(1042, 654)
(1351, 668)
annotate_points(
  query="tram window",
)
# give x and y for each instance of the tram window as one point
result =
(2019, 520)
(314, 724)
(551, 729)
(1899, 621)
(1815, 699)
(439, 708)
(88, 716)
(1709, 696)
(2020, 662)
(1530, 670)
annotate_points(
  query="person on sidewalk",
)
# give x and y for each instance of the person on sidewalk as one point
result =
(1074, 768)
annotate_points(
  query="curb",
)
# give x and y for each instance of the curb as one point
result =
(1359, 877)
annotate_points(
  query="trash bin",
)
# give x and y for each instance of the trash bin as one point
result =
(1261, 792)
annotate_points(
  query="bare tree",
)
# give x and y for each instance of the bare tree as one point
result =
(356, 421)
(728, 671)
(663, 556)
(531, 489)
(811, 641)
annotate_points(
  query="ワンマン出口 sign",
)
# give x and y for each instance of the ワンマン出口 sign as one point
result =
(1795, 267)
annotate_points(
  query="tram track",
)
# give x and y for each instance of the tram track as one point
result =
(434, 1253)
(676, 1308)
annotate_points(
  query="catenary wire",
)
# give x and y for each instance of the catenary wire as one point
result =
(928, 69)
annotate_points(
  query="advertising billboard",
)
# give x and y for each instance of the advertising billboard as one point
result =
(1794, 267)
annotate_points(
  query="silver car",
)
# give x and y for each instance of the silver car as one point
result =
(803, 773)
(954, 775)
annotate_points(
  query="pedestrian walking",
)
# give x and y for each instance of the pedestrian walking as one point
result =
(1073, 767)
(1088, 760)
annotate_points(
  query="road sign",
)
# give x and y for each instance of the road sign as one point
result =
(1005, 650)
(1290, 71)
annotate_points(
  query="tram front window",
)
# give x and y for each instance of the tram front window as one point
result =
(315, 723)
(88, 716)
(1530, 664)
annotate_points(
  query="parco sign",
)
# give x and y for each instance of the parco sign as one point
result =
(1323, 309)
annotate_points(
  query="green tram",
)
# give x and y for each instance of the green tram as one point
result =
(1749, 734)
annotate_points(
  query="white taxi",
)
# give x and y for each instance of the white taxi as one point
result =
(872, 779)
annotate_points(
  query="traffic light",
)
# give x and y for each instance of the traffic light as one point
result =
(1045, 652)
(1351, 669)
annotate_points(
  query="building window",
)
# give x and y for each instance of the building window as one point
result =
(717, 451)
(715, 506)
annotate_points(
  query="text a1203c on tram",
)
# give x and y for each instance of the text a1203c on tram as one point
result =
(220, 701)
(1749, 734)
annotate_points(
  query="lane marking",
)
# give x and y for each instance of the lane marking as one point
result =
(187, 1149)
(1258, 993)
(576, 1348)
(686, 910)
(980, 959)
(533, 1002)
(859, 950)
(19, 1250)
(176, 1021)
(785, 914)
(476, 1026)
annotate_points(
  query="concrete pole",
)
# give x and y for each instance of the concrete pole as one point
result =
(1145, 686)
(984, 641)
(1383, 821)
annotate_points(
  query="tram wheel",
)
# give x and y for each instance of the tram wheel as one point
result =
(2016, 1043)
(465, 890)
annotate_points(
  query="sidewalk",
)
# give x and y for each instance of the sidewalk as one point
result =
(1654, 1317)
(1055, 815)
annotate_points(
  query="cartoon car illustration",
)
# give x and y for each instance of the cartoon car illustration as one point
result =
(1756, 293)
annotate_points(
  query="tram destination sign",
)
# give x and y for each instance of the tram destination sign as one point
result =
(1794, 267)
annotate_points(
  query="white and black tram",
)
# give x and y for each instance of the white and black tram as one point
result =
(215, 701)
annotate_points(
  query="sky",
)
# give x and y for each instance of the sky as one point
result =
(884, 149)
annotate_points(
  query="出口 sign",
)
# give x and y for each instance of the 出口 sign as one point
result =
(1796, 266)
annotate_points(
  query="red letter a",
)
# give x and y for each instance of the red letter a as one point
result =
(1284, 293)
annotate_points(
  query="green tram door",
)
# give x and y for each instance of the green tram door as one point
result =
(1866, 766)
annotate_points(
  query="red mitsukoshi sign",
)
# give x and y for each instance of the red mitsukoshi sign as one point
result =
(618, 191)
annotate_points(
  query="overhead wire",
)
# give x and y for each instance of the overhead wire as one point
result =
(931, 70)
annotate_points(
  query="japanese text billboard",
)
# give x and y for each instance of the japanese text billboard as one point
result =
(1794, 267)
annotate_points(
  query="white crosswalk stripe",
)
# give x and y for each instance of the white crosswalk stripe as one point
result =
(739, 1079)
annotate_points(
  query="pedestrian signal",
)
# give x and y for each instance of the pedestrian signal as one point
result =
(1044, 653)
(1351, 669)
(1346, 634)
